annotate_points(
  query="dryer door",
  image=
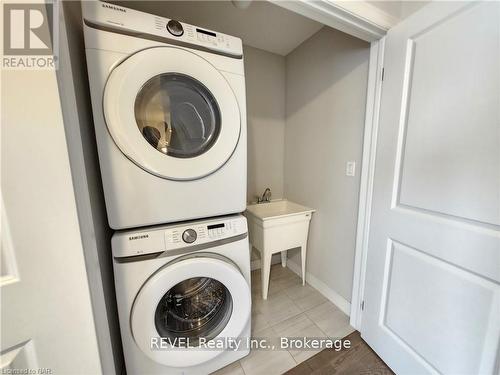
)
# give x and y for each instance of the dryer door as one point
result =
(193, 300)
(172, 113)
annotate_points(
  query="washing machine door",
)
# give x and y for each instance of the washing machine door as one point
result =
(193, 300)
(172, 113)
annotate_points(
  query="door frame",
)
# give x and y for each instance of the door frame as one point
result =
(368, 23)
(359, 19)
(374, 93)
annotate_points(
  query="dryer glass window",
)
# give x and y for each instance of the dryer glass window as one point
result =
(177, 115)
(194, 308)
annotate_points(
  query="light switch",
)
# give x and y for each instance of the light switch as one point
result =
(350, 168)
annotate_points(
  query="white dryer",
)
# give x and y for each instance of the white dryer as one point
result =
(169, 111)
(182, 284)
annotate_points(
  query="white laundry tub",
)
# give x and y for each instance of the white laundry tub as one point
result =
(276, 227)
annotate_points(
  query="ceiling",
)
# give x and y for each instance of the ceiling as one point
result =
(262, 25)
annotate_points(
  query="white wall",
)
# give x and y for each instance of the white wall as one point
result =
(326, 82)
(410, 7)
(399, 9)
(265, 88)
(393, 8)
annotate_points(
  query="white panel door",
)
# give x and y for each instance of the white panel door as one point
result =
(432, 294)
(46, 318)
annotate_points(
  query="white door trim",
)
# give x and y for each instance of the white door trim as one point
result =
(364, 21)
(374, 92)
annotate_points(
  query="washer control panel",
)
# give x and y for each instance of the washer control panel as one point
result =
(203, 232)
(177, 236)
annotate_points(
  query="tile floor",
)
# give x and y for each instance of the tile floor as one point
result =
(291, 310)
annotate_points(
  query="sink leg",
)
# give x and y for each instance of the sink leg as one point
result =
(265, 270)
(303, 260)
(283, 258)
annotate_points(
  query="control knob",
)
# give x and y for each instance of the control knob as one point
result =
(189, 236)
(175, 28)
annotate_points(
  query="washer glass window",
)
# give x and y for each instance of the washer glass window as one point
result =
(194, 308)
(177, 115)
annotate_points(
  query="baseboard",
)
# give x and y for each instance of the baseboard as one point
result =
(321, 287)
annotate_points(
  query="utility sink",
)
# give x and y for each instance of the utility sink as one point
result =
(277, 210)
(275, 227)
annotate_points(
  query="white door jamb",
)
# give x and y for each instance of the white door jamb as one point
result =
(374, 91)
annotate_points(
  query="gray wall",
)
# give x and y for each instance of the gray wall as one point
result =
(265, 88)
(326, 82)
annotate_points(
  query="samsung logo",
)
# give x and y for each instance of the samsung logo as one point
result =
(109, 6)
(138, 237)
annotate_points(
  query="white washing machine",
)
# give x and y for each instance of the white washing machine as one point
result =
(178, 286)
(169, 111)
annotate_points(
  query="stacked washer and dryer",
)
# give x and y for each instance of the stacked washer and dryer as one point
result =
(168, 101)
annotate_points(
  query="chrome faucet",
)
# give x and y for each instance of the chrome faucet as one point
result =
(266, 196)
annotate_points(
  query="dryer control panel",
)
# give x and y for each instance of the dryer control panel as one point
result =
(115, 18)
(194, 234)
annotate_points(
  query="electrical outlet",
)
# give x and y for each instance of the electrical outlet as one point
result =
(350, 168)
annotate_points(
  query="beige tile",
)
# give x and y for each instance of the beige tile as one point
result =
(299, 291)
(256, 291)
(276, 304)
(281, 283)
(259, 322)
(279, 279)
(343, 331)
(322, 312)
(255, 277)
(232, 369)
(278, 271)
(275, 309)
(330, 320)
(297, 327)
(255, 274)
(291, 310)
(304, 296)
(268, 362)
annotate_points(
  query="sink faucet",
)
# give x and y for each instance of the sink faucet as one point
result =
(266, 196)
